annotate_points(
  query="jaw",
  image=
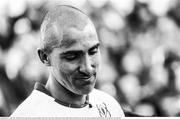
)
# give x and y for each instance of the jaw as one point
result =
(84, 90)
(83, 86)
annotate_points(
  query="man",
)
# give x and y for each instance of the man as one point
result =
(70, 48)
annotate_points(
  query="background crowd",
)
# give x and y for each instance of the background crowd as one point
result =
(140, 52)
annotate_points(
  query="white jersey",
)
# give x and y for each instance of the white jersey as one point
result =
(40, 104)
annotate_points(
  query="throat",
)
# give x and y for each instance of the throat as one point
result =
(64, 96)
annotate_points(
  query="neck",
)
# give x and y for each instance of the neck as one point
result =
(64, 95)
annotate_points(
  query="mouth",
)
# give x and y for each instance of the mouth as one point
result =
(86, 78)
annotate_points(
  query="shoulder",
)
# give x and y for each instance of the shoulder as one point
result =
(101, 96)
(102, 99)
(31, 104)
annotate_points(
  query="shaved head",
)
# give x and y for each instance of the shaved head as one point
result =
(56, 21)
(70, 47)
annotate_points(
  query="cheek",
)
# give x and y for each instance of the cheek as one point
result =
(67, 68)
(96, 60)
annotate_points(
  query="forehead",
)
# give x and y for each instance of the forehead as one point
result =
(74, 38)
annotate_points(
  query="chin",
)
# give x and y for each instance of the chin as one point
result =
(85, 91)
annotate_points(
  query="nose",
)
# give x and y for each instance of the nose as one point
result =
(87, 65)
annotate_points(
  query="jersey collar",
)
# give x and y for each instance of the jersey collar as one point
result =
(40, 87)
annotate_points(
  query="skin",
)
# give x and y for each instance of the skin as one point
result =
(73, 60)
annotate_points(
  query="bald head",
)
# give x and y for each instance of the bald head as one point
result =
(56, 21)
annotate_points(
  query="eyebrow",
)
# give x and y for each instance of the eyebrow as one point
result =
(79, 51)
(95, 46)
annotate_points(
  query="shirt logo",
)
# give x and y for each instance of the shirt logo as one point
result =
(103, 110)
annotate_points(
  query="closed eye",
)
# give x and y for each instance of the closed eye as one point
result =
(94, 49)
(71, 55)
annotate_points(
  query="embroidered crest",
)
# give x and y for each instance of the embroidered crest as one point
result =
(103, 110)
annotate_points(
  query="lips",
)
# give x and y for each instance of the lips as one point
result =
(85, 80)
(84, 77)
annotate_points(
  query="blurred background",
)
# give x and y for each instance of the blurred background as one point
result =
(140, 52)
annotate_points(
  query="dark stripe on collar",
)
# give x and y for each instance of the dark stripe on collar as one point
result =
(40, 87)
(70, 105)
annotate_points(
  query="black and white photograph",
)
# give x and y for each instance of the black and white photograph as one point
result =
(89, 58)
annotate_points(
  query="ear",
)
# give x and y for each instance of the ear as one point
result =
(43, 56)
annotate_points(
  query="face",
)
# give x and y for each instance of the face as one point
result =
(75, 62)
